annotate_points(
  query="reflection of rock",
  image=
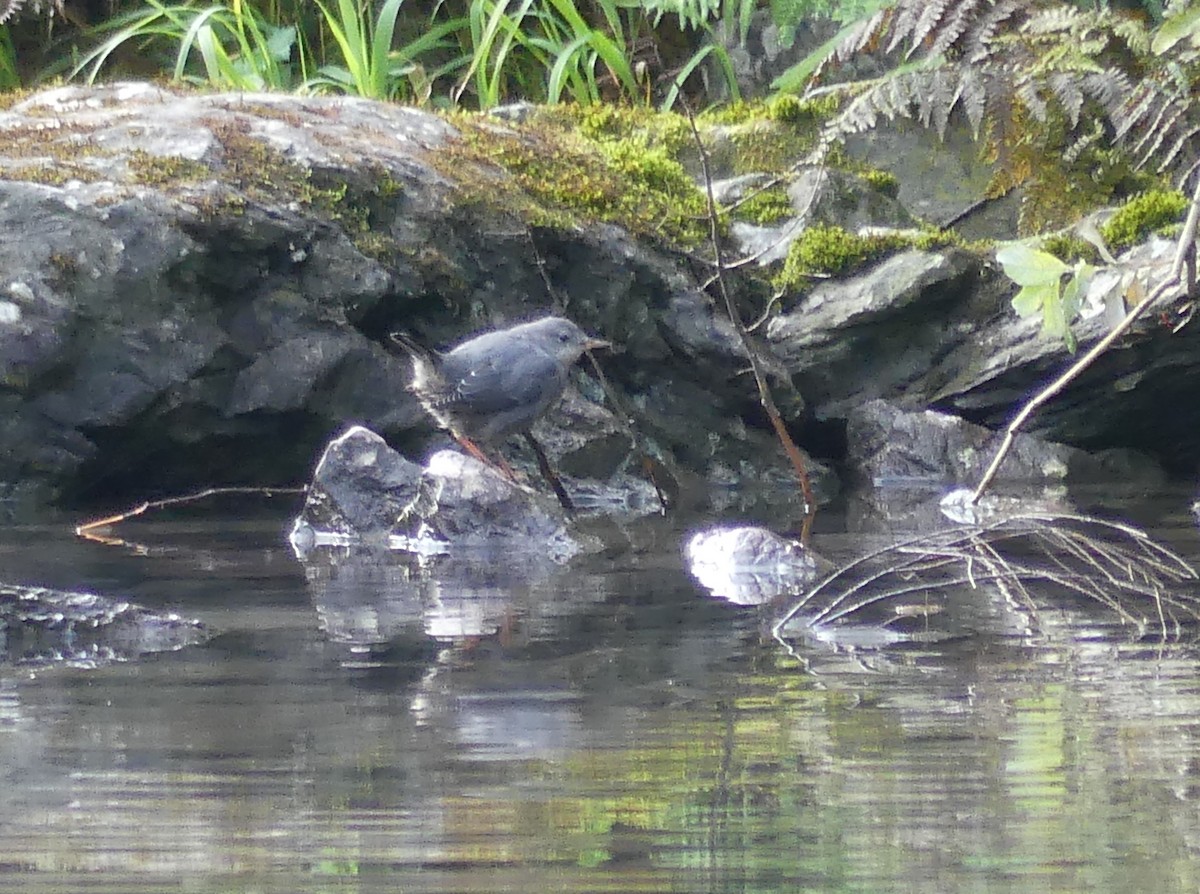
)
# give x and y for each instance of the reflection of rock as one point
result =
(42, 625)
(365, 492)
(749, 565)
(369, 599)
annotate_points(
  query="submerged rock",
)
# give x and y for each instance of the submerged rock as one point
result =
(40, 625)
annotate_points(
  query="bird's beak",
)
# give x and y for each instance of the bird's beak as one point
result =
(595, 344)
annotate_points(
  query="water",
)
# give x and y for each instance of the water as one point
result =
(610, 728)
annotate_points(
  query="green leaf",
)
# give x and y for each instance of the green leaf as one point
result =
(1177, 27)
(1027, 266)
(1028, 302)
(1076, 290)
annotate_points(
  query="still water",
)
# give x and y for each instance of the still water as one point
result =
(608, 727)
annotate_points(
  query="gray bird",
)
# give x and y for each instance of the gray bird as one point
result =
(498, 383)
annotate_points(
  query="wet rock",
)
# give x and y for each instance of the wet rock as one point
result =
(749, 565)
(466, 503)
(364, 492)
(44, 626)
(360, 488)
(874, 334)
(203, 296)
(887, 444)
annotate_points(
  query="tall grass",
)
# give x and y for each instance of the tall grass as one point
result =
(370, 66)
(9, 77)
(230, 47)
(497, 51)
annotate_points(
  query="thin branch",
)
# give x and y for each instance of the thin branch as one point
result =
(1184, 249)
(89, 529)
(764, 391)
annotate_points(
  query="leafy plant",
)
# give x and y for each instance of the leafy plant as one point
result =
(546, 49)
(370, 66)
(1049, 287)
(1030, 78)
(9, 79)
(238, 49)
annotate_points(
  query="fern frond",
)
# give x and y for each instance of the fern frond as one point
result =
(929, 22)
(973, 99)
(864, 36)
(977, 41)
(1067, 88)
(954, 26)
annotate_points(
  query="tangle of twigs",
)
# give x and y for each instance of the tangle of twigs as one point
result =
(1035, 562)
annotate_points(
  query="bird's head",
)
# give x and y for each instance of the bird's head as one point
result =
(564, 339)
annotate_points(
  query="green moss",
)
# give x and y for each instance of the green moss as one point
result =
(558, 177)
(768, 146)
(734, 113)
(766, 207)
(882, 181)
(1141, 215)
(55, 174)
(791, 109)
(166, 170)
(1069, 248)
(605, 122)
(827, 250)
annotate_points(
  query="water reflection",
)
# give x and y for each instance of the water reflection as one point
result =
(387, 724)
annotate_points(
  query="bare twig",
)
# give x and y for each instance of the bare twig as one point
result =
(764, 391)
(90, 529)
(1145, 585)
(1175, 281)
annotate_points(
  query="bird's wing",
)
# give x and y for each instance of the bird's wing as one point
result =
(494, 386)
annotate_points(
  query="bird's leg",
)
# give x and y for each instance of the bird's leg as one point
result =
(498, 463)
(549, 473)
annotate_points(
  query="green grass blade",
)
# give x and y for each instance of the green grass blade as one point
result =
(381, 48)
(567, 57)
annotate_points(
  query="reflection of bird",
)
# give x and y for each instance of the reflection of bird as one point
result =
(499, 383)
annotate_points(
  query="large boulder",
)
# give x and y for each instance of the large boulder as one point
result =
(197, 288)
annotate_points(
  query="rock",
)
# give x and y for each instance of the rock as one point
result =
(942, 180)
(203, 295)
(44, 626)
(197, 288)
(365, 493)
(360, 488)
(874, 334)
(749, 565)
(467, 504)
(889, 445)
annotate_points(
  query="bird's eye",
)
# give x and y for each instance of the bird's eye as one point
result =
(564, 337)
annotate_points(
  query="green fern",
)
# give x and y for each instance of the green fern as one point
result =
(1006, 65)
